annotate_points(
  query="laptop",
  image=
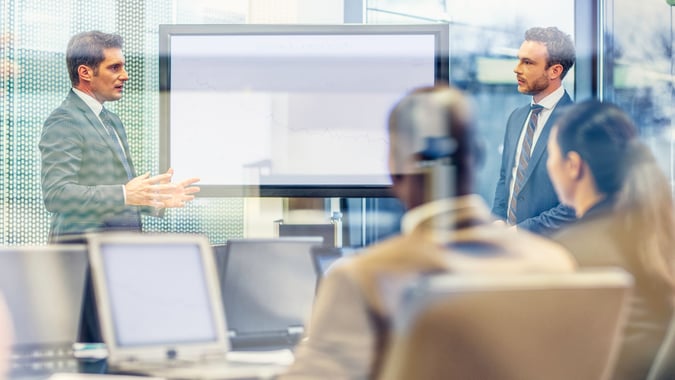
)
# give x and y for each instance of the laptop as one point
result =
(268, 288)
(160, 309)
(43, 287)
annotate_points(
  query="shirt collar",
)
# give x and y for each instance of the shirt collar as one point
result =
(459, 208)
(90, 101)
(552, 99)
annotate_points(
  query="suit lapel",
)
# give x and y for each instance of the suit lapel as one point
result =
(96, 124)
(119, 128)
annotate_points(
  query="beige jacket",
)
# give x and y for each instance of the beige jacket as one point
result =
(349, 330)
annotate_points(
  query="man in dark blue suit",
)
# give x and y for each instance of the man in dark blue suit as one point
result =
(525, 197)
(89, 183)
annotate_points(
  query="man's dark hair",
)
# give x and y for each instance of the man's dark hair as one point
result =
(559, 45)
(86, 48)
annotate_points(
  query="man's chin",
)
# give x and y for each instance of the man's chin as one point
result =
(524, 90)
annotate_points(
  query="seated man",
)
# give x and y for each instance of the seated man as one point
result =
(350, 326)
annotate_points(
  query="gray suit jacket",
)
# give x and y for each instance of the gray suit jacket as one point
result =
(82, 175)
(539, 209)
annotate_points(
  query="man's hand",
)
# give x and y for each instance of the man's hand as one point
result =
(182, 193)
(149, 191)
(159, 192)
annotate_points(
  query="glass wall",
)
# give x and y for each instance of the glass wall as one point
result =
(639, 71)
(636, 58)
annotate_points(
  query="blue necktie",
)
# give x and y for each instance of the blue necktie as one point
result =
(116, 143)
(523, 161)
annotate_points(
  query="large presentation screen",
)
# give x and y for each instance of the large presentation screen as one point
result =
(289, 110)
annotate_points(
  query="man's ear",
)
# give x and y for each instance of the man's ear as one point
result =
(574, 165)
(85, 72)
(555, 71)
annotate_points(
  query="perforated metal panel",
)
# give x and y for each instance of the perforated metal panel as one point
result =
(33, 82)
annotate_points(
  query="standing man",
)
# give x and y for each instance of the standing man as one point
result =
(88, 179)
(525, 196)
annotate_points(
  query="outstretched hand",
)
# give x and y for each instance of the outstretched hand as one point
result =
(149, 191)
(158, 191)
(182, 193)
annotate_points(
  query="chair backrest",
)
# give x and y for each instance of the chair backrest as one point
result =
(527, 326)
(327, 231)
(663, 367)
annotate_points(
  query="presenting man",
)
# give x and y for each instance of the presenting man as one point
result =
(524, 196)
(88, 179)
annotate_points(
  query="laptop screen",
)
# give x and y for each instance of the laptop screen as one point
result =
(43, 288)
(268, 284)
(158, 293)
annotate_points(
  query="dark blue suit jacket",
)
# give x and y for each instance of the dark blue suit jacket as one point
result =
(539, 209)
(82, 173)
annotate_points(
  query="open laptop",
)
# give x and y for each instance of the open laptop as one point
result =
(160, 309)
(43, 287)
(268, 288)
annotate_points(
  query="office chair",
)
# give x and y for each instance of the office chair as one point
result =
(330, 232)
(508, 327)
(663, 367)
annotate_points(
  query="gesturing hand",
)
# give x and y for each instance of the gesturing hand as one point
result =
(149, 191)
(182, 193)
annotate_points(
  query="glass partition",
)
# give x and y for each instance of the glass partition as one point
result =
(635, 70)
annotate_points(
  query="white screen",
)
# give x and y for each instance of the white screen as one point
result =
(158, 294)
(290, 109)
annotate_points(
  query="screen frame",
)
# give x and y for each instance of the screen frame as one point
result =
(440, 32)
(118, 353)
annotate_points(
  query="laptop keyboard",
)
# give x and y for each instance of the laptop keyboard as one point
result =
(37, 360)
(264, 342)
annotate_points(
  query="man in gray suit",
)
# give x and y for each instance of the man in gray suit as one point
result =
(88, 178)
(443, 230)
(524, 196)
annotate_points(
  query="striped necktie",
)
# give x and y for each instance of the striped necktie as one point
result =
(523, 160)
(116, 141)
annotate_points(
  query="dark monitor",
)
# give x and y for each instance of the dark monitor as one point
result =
(289, 110)
(268, 290)
(43, 287)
